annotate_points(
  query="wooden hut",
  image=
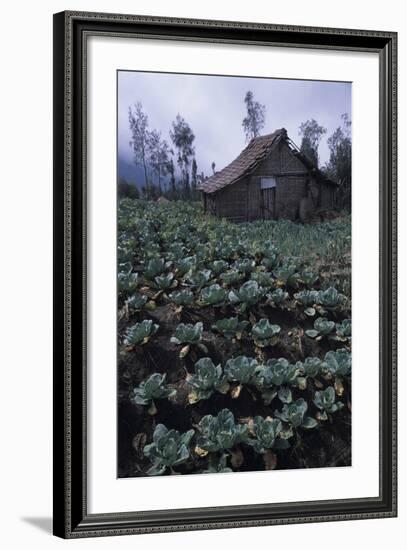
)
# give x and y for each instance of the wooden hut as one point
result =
(270, 179)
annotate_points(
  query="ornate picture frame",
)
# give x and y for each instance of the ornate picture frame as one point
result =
(71, 33)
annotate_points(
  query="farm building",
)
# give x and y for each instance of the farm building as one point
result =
(270, 179)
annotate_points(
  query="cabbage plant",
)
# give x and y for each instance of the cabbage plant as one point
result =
(182, 297)
(206, 380)
(125, 267)
(322, 327)
(270, 261)
(136, 302)
(263, 278)
(287, 275)
(226, 250)
(307, 297)
(330, 298)
(165, 282)
(124, 253)
(278, 296)
(230, 328)
(241, 369)
(155, 267)
(266, 432)
(213, 295)
(217, 465)
(312, 366)
(275, 377)
(231, 277)
(152, 388)
(176, 251)
(308, 278)
(186, 264)
(127, 282)
(264, 333)
(168, 449)
(325, 401)
(219, 433)
(276, 372)
(267, 249)
(294, 414)
(198, 279)
(338, 363)
(219, 266)
(343, 330)
(202, 252)
(140, 333)
(249, 294)
(231, 246)
(187, 334)
(244, 265)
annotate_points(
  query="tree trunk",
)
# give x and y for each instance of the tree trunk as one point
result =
(146, 177)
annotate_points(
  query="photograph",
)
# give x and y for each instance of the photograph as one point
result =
(233, 274)
(210, 228)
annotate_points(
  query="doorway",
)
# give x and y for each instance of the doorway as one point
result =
(268, 197)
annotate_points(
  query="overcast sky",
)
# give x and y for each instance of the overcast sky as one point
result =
(214, 108)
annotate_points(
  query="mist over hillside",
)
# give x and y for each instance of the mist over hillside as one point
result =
(133, 173)
(130, 172)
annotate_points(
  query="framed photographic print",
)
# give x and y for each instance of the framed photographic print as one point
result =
(225, 274)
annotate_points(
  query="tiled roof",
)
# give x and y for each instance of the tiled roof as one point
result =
(257, 149)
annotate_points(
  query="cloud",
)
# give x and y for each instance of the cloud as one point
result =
(214, 108)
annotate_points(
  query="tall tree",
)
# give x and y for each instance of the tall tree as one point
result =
(171, 171)
(254, 120)
(138, 123)
(213, 167)
(339, 166)
(187, 186)
(158, 156)
(311, 133)
(194, 178)
(183, 137)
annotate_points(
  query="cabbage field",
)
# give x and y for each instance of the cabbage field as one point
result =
(234, 342)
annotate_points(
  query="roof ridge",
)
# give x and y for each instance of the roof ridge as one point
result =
(244, 163)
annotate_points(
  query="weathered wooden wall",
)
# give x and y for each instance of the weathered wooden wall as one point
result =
(291, 177)
(232, 201)
(242, 201)
(290, 190)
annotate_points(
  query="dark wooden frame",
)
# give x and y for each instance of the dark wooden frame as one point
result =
(71, 519)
